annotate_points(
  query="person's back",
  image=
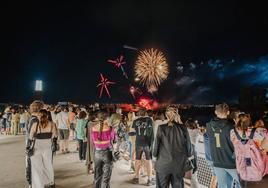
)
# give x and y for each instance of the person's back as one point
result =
(144, 129)
(15, 117)
(172, 149)
(62, 120)
(172, 153)
(247, 142)
(80, 129)
(42, 133)
(102, 136)
(221, 147)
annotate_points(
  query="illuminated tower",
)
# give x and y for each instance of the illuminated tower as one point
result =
(38, 90)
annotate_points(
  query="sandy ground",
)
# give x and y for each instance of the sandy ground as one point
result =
(69, 171)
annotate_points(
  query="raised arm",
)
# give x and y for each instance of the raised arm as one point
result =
(157, 142)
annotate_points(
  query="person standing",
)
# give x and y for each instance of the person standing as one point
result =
(7, 120)
(24, 118)
(62, 121)
(90, 148)
(192, 128)
(132, 140)
(143, 127)
(247, 141)
(81, 131)
(15, 119)
(72, 122)
(173, 151)
(221, 147)
(41, 134)
(102, 136)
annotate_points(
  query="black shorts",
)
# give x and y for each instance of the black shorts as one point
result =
(146, 150)
(63, 134)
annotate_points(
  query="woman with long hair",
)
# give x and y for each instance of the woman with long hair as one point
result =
(103, 136)
(41, 134)
(172, 149)
(244, 127)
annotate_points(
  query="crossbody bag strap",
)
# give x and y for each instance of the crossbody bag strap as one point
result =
(252, 133)
(237, 135)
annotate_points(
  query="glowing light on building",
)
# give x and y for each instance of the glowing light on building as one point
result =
(38, 85)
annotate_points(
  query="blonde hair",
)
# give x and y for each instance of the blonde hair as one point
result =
(36, 106)
(173, 115)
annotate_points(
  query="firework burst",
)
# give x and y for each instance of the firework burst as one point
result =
(151, 68)
(104, 84)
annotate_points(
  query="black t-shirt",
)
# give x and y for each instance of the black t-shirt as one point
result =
(144, 131)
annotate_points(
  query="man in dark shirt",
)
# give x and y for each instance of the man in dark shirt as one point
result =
(143, 127)
(221, 147)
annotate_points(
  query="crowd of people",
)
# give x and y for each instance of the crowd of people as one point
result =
(156, 143)
(13, 120)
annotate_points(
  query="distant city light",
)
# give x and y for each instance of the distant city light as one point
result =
(38, 85)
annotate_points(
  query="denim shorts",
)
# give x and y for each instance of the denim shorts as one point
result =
(22, 125)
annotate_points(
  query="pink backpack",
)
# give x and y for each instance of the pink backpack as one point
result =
(250, 161)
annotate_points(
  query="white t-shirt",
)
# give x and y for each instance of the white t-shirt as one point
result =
(53, 116)
(23, 118)
(62, 120)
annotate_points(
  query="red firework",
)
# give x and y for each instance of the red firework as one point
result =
(134, 90)
(119, 62)
(104, 83)
(147, 103)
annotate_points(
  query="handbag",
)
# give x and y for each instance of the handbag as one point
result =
(55, 146)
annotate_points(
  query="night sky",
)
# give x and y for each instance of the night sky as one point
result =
(213, 48)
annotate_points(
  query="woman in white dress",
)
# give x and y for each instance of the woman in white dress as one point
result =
(42, 133)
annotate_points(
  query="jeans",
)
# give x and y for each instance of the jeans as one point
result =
(103, 168)
(82, 149)
(130, 149)
(226, 177)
